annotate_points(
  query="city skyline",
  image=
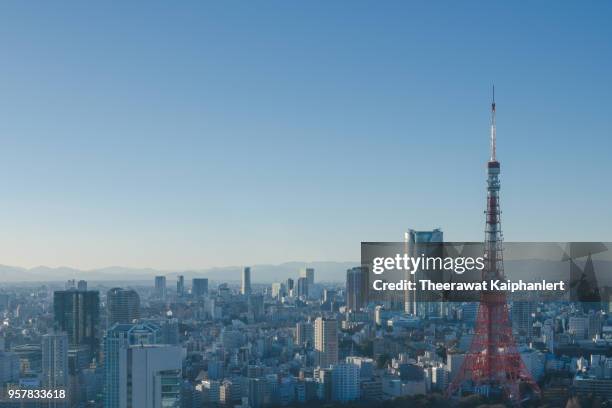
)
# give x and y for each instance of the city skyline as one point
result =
(202, 136)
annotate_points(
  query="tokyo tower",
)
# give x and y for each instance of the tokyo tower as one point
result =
(493, 365)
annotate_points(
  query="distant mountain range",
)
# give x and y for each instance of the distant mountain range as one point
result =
(324, 272)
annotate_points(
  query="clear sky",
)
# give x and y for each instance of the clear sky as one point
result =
(194, 134)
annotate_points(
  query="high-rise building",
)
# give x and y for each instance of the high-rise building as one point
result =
(199, 287)
(304, 333)
(256, 392)
(9, 367)
(366, 365)
(415, 244)
(345, 382)
(245, 288)
(256, 306)
(55, 360)
(117, 342)
(190, 396)
(82, 285)
(356, 287)
(578, 326)
(77, 313)
(290, 284)
(326, 341)
(308, 273)
(122, 306)
(323, 377)
(180, 286)
(439, 378)
(160, 287)
(210, 391)
(155, 374)
(278, 290)
(231, 391)
(170, 331)
(454, 361)
(329, 295)
(302, 288)
(522, 317)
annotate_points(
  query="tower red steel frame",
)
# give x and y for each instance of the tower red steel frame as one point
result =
(493, 362)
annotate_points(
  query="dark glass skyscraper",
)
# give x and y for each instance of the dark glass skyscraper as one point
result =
(180, 286)
(245, 288)
(356, 287)
(199, 287)
(77, 313)
(122, 306)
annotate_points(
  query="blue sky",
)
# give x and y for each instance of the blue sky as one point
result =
(195, 134)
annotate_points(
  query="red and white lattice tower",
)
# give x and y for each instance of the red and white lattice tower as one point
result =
(493, 364)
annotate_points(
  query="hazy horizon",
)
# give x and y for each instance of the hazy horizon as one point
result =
(325, 271)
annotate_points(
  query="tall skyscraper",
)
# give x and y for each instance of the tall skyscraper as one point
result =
(160, 287)
(416, 243)
(122, 306)
(245, 288)
(290, 287)
(199, 287)
(180, 286)
(302, 288)
(256, 306)
(77, 313)
(356, 287)
(55, 360)
(326, 341)
(308, 273)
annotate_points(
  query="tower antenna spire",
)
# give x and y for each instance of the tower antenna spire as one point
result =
(493, 133)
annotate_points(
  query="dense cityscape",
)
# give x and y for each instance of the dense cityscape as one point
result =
(306, 341)
(186, 186)
(300, 341)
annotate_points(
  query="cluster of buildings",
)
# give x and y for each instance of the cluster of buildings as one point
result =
(298, 341)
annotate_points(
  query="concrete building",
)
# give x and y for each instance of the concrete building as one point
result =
(155, 373)
(55, 360)
(326, 341)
